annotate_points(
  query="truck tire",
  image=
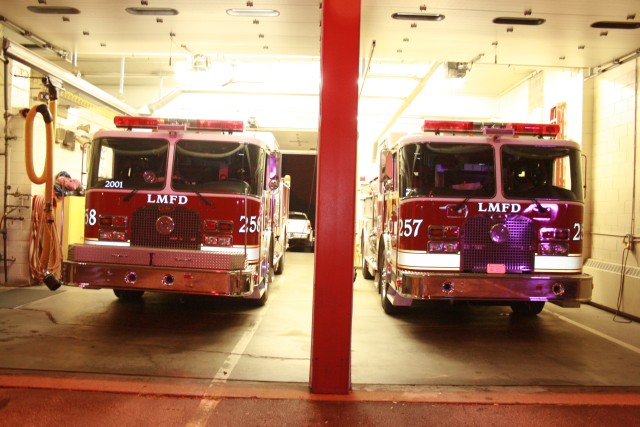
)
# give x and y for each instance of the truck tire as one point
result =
(280, 267)
(128, 295)
(365, 269)
(527, 308)
(259, 302)
(378, 277)
(386, 304)
(308, 246)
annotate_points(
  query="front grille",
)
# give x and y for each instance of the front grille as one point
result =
(185, 235)
(478, 249)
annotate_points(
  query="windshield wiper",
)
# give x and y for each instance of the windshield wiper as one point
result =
(180, 180)
(149, 177)
(130, 195)
(540, 208)
(460, 205)
(204, 199)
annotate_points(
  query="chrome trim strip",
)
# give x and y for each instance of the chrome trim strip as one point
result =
(428, 261)
(571, 263)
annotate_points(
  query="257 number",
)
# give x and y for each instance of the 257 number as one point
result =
(410, 227)
(249, 225)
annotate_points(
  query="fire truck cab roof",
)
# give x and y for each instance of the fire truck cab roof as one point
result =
(225, 130)
(484, 132)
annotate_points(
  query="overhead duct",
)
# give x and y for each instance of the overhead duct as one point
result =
(593, 72)
(408, 100)
(21, 54)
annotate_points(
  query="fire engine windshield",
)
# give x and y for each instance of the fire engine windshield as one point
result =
(128, 163)
(446, 170)
(541, 172)
(214, 166)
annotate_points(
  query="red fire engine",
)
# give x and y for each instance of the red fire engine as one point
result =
(187, 206)
(487, 212)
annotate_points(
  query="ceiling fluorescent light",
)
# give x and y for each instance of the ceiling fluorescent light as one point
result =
(54, 10)
(418, 16)
(254, 13)
(519, 21)
(155, 11)
(616, 25)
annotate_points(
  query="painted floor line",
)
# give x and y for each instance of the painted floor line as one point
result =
(207, 404)
(598, 333)
(232, 360)
(203, 412)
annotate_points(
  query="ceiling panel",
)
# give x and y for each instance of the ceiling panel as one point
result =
(269, 66)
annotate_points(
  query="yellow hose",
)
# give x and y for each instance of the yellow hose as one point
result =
(47, 263)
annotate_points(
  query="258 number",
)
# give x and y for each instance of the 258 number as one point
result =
(90, 216)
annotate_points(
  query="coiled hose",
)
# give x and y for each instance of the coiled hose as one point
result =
(43, 258)
(44, 244)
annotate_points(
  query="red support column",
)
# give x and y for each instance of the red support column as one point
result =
(336, 198)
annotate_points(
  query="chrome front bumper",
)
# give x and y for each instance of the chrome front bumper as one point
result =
(562, 289)
(133, 268)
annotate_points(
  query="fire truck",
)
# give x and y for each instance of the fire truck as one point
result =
(185, 206)
(477, 212)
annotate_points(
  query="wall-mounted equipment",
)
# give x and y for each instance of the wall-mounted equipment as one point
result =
(66, 138)
(457, 70)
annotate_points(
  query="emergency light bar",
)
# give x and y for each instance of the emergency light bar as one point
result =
(131, 122)
(450, 125)
(534, 129)
(437, 126)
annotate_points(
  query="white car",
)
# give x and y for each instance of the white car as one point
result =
(299, 231)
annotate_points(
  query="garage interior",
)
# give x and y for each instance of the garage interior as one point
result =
(329, 81)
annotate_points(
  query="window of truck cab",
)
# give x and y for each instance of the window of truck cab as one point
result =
(429, 169)
(128, 163)
(218, 166)
(541, 172)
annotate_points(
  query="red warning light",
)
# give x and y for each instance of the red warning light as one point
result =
(534, 129)
(447, 125)
(131, 122)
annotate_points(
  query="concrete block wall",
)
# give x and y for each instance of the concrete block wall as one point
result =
(23, 92)
(602, 115)
(19, 187)
(587, 151)
(613, 187)
(611, 180)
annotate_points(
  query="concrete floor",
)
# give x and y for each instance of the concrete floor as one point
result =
(87, 340)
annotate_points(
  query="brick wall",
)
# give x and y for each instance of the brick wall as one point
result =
(610, 181)
(23, 93)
